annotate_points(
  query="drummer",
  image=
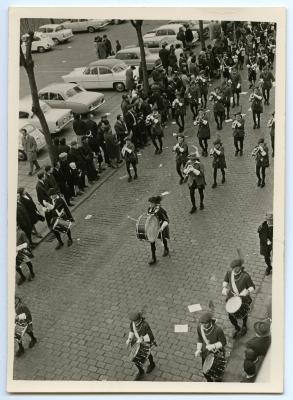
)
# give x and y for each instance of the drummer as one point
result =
(55, 209)
(140, 332)
(211, 339)
(156, 209)
(238, 282)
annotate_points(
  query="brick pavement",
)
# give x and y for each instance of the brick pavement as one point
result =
(81, 298)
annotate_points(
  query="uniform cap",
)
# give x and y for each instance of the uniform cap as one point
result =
(206, 317)
(134, 316)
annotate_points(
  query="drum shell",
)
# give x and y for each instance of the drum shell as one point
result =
(139, 353)
(147, 228)
(62, 225)
(243, 309)
(218, 364)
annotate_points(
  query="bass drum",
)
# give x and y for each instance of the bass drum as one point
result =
(237, 307)
(147, 227)
(214, 365)
(139, 353)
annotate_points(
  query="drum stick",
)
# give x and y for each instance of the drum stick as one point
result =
(132, 219)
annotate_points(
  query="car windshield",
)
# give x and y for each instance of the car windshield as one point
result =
(119, 67)
(43, 30)
(73, 91)
(59, 28)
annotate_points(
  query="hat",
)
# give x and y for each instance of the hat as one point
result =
(237, 262)
(261, 141)
(269, 215)
(249, 367)
(155, 199)
(62, 155)
(52, 192)
(263, 328)
(217, 141)
(73, 143)
(206, 317)
(193, 156)
(134, 316)
(104, 116)
(180, 135)
(72, 165)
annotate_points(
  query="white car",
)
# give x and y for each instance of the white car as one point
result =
(56, 119)
(33, 131)
(163, 34)
(101, 74)
(131, 56)
(85, 25)
(40, 43)
(194, 25)
(72, 97)
(56, 32)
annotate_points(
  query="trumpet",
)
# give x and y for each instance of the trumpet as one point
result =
(257, 150)
(197, 121)
(212, 152)
(271, 122)
(251, 97)
(235, 124)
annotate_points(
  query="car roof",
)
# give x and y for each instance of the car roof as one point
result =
(169, 26)
(106, 62)
(49, 26)
(60, 86)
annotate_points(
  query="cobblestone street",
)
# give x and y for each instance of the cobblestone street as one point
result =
(81, 296)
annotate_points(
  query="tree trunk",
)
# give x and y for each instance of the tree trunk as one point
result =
(201, 35)
(28, 64)
(137, 25)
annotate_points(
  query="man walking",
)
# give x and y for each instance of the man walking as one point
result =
(30, 147)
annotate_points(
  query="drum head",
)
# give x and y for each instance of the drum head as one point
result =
(208, 363)
(233, 304)
(134, 351)
(152, 228)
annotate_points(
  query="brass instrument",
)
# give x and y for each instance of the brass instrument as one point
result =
(271, 122)
(251, 97)
(257, 150)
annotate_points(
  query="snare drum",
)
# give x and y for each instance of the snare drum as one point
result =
(214, 364)
(237, 307)
(139, 353)
(147, 227)
(19, 330)
(62, 225)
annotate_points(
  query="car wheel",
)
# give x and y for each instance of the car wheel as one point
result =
(41, 49)
(119, 86)
(21, 155)
(56, 41)
(91, 29)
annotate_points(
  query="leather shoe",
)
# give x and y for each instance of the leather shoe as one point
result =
(193, 210)
(59, 245)
(139, 376)
(150, 368)
(153, 261)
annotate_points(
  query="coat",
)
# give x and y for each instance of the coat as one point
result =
(42, 192)
(22, 218)
(101, 50)
(79, 127)
(268, 78)
(129, 83)
(164, 56)
(204, 130)
(238, 131)
(112, 145)
(121, 130)
(30, 207)
(219, 161)
(265, 233)
(30, 147)
(196, 181)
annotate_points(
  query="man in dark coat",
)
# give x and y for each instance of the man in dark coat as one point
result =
(49, 179)
(23, 220)
(42, 189)
(262, 340)
(108, 45)
(164, 56)
(61, 181)
(27, 201)
(121, 130)
(265, 232)
(79, 127)
(188, 37)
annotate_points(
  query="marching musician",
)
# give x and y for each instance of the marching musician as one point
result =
(235, 86)
(194, 96)
(238, 133)
(261, 154)
(179, 111)
(57, 208)
(219, 161)
(23, 256)
(196, 179)
(130, 156)
(267, 79)
(256, 107)
(238, 282)
(265, 232)
(156, 209)
(219, 109)
(140, 332)
(252, 68)
(23, 324)
(271, 124)
(227, 97)
(203, 132)
(181, 150)
(211, 338)
(203, 84)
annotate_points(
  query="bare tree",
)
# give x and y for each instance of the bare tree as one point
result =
(201, 35)
(137, 24)
(28, 64)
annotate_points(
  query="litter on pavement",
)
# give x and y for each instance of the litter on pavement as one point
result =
(181, 328)
(89, 216)
(194, 307)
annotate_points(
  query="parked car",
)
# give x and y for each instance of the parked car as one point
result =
(71, 96)
(101, 74)
(33, 131)
(40, 43)
(56, 32)
(194, 26)
(131, 56)
(56, 119)
(163, 34)
(85, 25)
